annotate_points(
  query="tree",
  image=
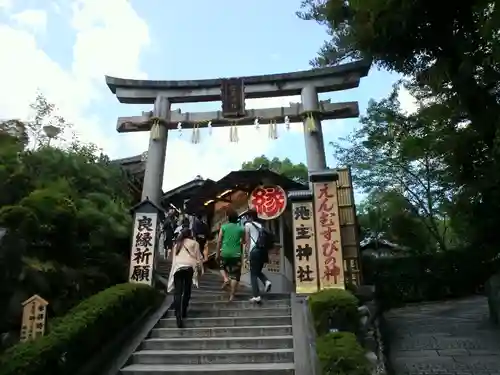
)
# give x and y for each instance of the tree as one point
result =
(68, 225)
(453, 61)
(46, 113)
(296, 172)
(388, 215)
(393, 156)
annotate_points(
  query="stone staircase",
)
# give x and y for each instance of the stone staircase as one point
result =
(237, 338)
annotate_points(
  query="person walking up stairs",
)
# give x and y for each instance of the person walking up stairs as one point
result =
(227, 338)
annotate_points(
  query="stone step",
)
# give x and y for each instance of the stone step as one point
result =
(222, 369)
(206, 305)
(212, 343)
(188, 357)
(236, 331)
(242, 295)
(239, 312)
(227, 322)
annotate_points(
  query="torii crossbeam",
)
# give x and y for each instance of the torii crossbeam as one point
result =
(163, 93)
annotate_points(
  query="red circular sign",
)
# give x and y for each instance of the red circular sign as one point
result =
(268, 201)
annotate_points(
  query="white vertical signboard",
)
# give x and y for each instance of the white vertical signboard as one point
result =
(143, 248)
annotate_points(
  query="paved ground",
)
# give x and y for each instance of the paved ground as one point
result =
(445, 338)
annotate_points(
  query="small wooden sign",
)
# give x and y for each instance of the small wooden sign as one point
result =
(34, 318)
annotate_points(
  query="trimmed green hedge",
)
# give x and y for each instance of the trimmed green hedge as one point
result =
(79, 335)
(340, 354)
(451, 274)
(334, 308)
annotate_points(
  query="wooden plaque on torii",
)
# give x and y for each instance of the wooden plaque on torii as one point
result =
(233, 98)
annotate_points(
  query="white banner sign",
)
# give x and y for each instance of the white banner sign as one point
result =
(143, 248)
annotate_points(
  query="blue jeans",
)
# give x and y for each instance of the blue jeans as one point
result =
(256, 266)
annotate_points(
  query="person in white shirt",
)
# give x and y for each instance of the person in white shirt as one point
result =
(257, 257)
(186, 270)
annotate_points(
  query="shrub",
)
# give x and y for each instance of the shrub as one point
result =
(334, 308)
(340, 354)
(450, 274)
(79, 335)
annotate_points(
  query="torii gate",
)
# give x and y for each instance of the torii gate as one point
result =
(233, 92)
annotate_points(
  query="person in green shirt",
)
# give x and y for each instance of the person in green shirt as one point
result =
(229, 249)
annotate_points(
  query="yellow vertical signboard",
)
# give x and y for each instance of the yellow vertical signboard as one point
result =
(306, 273)
(328, 236)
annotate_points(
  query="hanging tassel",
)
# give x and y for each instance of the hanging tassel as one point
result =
(287, 122)
(193, 135)
(179, 128)
(209, 128)
(198, 136)
(273, 130)
(235, 134)
(256, 123)
(155, 130)
(310, 123)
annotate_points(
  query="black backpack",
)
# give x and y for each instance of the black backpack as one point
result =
(265, 240)
(200, 229)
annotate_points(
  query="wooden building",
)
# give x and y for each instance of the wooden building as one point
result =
(263, 189)
(134, 167)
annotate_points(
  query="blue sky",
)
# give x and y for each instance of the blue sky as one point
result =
(66, 47)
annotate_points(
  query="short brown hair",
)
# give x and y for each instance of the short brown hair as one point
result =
(232, 215)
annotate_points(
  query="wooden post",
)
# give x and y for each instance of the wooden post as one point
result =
(34, 317)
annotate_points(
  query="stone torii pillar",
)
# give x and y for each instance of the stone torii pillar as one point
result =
(155, 161)
(315, 147)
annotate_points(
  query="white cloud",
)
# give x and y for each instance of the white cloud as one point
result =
(407, 101)
(5, 4)
(102, 28)
(32, 19)
(109, 39)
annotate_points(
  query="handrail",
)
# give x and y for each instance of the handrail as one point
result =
(304, 337)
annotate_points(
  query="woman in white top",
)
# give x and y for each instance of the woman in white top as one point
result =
(186, 268)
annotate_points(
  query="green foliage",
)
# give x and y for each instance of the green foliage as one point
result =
(297, 172)
(334, 308)
(407, 36)
(81, 333)
(396, 158)
(66, 211)
(449, 274)
(340, 354)
(388, 215)
(452, 61)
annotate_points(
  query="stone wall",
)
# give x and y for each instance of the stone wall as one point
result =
(493, 294)
(370, 334)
